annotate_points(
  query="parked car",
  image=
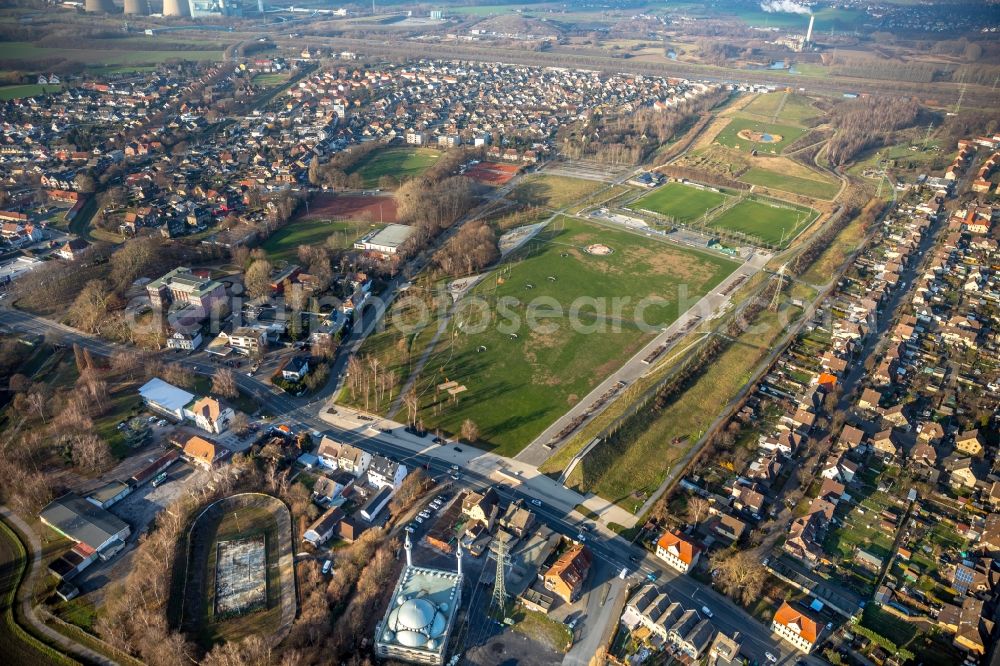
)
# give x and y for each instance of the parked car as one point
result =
(707, 611)
(771, 658)
(409, 528)
(457, 448)
(418, 519)
(536, 502)
(327, 566)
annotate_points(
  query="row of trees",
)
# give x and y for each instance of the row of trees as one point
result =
(473, 248)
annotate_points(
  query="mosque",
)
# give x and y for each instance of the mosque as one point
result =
(421, 616)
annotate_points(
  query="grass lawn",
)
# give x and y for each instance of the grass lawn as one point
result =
(770, 223)
(284, 243)
(628, 472)
(729, 136)
(553, 191)
(400, 163)
(679, 202)
(517, 386)
(796, 109)
(818, 189)
(28, 90)
(271, 80)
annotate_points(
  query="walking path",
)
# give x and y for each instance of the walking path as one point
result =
(34, 547)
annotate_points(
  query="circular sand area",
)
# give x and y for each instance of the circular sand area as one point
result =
(598, 249)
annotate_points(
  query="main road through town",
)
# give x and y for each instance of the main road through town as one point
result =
(443, 459)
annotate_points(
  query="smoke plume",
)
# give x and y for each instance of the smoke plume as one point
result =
(788, 6)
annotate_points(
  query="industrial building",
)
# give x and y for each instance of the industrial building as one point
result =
(86, 523)
(385, 241)
(421, 615)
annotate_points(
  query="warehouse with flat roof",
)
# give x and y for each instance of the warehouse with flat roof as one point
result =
(386, 241)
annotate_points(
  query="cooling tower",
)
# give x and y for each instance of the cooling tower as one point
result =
(106, 6)
(176, 8)
(137, 7)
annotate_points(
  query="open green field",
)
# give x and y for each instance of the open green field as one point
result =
(680, 202)
(553, 191)
(817, 189)
(796, 108)
(103, 57)
(16, 646)
(630, 469)
(524, 366)
(729, 136)
(283, 244)
(400, 163)
(28, 90)
(271, 80)
(772, 224)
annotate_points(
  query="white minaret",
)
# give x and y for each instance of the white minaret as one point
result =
(809, 32)
(409, 550)
(458, 556)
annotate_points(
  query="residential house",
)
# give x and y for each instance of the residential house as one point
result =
(677, 551)
(803, 538)
(338, 455)
(974, 629)
(296, 369)
(567, 576)
(210, 415)
(730, 527)
(969, 443)
(797, 627)
(72, 249)
(203, 452)
(884, 442)
(248, 340)
(386, 473)
(324, 527)
(517, 520)
(748, 498)
(869, 399)
(482, 508)
(331, 486)
(725, 650)
(960, 472)
(183, 340)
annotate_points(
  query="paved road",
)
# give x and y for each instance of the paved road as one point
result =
(34, 548)
(478, 469)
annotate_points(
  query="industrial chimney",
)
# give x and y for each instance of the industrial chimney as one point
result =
(176, 8)
(809, 32)
(137, 7)
(106, 6)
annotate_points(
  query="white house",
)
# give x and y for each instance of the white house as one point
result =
(210, 415)
(677, 551)
(386, 473)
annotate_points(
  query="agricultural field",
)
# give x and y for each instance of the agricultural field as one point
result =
(816, 189)
(520, 377)
(771, 224)
(773, 138)
(553, 191)
(283, 244)
(105, 57)
(399, 163)
(28, 90)
(16, 645)
(679, 202)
